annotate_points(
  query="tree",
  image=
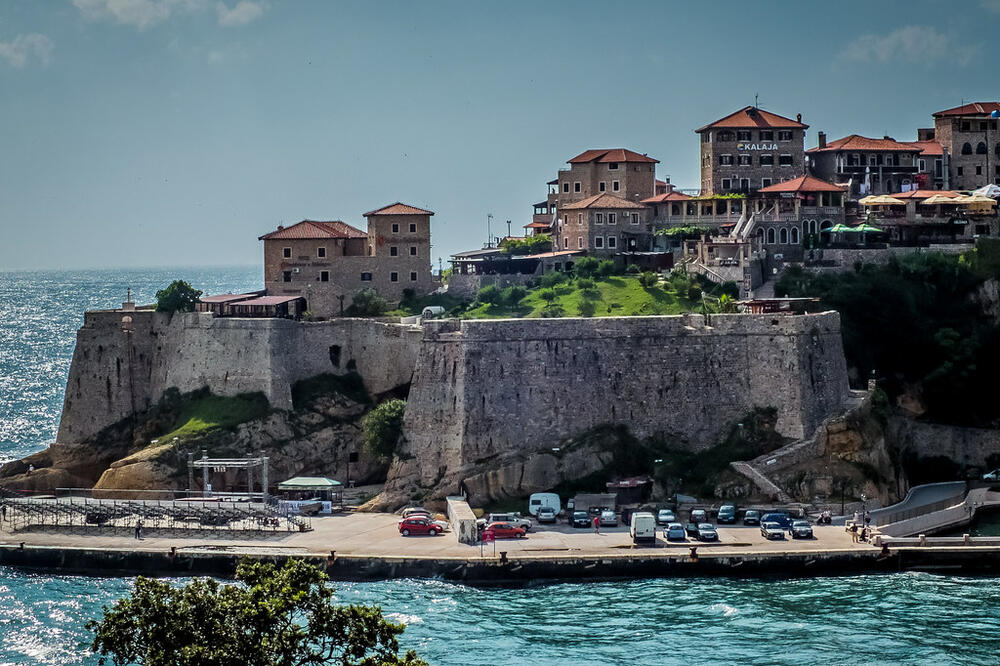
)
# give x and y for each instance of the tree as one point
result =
(587, 267)
(367, 303)
(648, 279)
(275, 616)
(514, 294)
(382, 427)
(490, 294)
(178, 297)
(547, 295)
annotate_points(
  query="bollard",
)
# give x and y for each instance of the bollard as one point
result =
(694, 552)
(21, 546)
(965, 539)
(922, 540)
(503, 557)
(885, 549)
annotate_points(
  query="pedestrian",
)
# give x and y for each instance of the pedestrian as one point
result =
(3, 512)
(854, 533)
(868, 518)
(138, 530)
(31, 468)
(597, 524)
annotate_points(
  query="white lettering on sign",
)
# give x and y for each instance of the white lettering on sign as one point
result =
(756, 146)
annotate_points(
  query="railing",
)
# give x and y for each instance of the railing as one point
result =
(889, 518)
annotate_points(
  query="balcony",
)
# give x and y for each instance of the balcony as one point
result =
(885, 168)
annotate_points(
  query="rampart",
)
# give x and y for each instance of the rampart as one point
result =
(115, 374)
(488, 392)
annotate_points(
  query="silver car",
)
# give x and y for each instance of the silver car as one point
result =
(609, 519)
(772, 531)
(546, 514)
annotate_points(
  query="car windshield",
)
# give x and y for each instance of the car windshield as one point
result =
(580, 514)
(727, 509)
(800, 523)
(772, 526)
(705, 526)
(676, 526)
(752, 514)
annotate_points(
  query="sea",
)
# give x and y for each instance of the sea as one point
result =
(901, 618)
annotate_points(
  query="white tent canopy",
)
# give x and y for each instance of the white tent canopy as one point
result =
(991, 191)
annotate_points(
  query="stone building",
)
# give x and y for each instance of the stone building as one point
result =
(789, 217)
(750, 149)
(605, 224)
(326, 262)
(969, 136)
(867, 166)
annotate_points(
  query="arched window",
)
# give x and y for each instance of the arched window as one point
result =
(967, 149)
(783, 236)
(795, 235)
(770, 236)
(825, 224)
(760, 234)
(981, 148)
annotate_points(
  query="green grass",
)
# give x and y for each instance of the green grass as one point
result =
(415, 305)
(203, 414)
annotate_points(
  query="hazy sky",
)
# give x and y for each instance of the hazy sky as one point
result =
(174, 132)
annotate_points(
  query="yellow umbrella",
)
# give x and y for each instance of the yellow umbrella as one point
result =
(940, 199)
(978, 199)
(881, 200)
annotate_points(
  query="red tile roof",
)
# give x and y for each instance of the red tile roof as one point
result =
(611, 155)
(399, 209)
(801, 184)
(548, 255)
(308, 229)
(227, 298)
(603, 200)
(750, 116)
(669, 196)
(537, 225)
(269, 300)
(930, 148)
(858, 142)
(971, 109)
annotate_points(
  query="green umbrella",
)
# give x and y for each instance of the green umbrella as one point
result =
(868, 228)
(842, 228)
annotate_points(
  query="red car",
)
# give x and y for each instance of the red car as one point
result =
(419, 525)
(504, 531)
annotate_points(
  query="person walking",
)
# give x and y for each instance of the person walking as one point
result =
(597, 524)
(138, 530)
(854, 533)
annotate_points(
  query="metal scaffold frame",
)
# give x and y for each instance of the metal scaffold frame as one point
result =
(207, 465)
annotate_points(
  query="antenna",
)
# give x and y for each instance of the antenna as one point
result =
(489, 232)
(756, 101)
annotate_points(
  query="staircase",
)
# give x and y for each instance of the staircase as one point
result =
(765, 484)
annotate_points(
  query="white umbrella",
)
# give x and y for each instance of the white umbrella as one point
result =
(991, 191)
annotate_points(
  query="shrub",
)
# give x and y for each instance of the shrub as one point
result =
(547, 295)
(587, 267)
(606, 268)
(585, 283)
(552, 279)
(514, 294)
(586, 308)
(727, 304)
(632, 269)
(729, 288)
(553, 310)
(694, 292)
(178, 297)
(530, 245)
(382, 427)
(490, 294)
(367, 303)
(648, 279)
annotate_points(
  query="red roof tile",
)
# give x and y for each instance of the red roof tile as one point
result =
(611, 155)
(399, 209)
(548, 255)
(227, 298)
(603, 200)
(537, 225)
(669, 196)
(801, 184)
(750, 116)
(971, 109)
(858, 142)
(923, 194)
(930, 148)
(307, 229)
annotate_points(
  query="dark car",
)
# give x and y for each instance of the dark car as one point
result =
(780, 517)
(691, 529)
(727, 514)
(801, 529)
(751, 517)
(580, 519)
(707, 532)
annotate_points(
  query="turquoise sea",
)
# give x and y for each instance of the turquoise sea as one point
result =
(905, 618)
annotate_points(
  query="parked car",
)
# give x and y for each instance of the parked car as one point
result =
(546, 514)
(539, 500)
(771, 531)
(579, 519)
(698, 516)
(992, 476)
(707, 532)
(727, 514)
(609, 519)
(643, 527)
(691, 529)
(751, 517)
(801, 529)
(514, 518)
(665, 517)
(419, 525)
(675, 532)
(415, 511)
(780, 517)
(504, 531)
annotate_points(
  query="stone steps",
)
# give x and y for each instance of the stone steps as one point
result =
(765, 484)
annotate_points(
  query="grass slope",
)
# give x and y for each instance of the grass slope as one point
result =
(201, 414)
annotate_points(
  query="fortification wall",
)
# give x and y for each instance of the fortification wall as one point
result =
(486, 392)
(114, 374)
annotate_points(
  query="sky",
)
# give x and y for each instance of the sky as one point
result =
(175, 132)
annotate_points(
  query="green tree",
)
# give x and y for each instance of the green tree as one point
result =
(586, 308)
(530, 245)
(382, 427)
(275, 617)
(648, 279)
(587, 267)
(552, 279)
(727, 304)
(367, 303)
(547, 295)
(490, 294)
(514, 294)
(605, 268)
(178, 297)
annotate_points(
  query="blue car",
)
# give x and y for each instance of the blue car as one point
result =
(675, 532)
(780, 517)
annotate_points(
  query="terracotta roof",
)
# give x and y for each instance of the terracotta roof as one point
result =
(971, 109)
(399, 209)
(547, 255)
(750, 116)
(801, 184)
(657, 181)
(227, 298)
(611, 155)
(603, 200)
(928, 147)
(269, 300)
(307, 229)
(858, 142)
(669, 196)
(923, 194)
(537, 225)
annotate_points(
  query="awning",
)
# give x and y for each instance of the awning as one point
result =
(310, 483)
(881, 200)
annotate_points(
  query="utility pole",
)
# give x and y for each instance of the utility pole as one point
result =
(489, 230)
(508, 228)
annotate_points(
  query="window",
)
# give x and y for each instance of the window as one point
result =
(612, 166)
(727, 183)
(746, 160)
(413, 250)
(286, 276)
(765, 182)
(982, 125)
(979, 171)
(743, 135)
(745, 184)
(324, 276)
(784, 160)
(795, 235)
(565, 187)
(393, 251)
(767, 160)
(706, 137)
(413, 276)
(579, 242)
(783, 236)
(967, 148)
(770, 236)
(964, 126)
(321, 252)
(413, 228)
(612, 218)
(767, 135)
(960, 170)
(922, 165)
(784, 135)
(394, 277)
(576, 187)
(598, 218)
(602, 186)
(612, 242)
(981, 148)
(286, 252)
(615, 186)
(366, 277)
(725, 160)
(635, 218)
(565, 243)
(599, 241)
(725, 135)
(579, 218)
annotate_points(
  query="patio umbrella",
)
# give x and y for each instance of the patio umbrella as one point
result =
(867, 229)
(841, 229)
(881, 200)
(940, 199)
(978, 199)
(992, 191)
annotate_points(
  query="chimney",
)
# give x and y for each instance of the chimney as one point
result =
(798, 117)
(887, 137)
(280, 227)
(822, 139)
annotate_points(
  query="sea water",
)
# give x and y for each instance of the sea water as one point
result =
(902, 618)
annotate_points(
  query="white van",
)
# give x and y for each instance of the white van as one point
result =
(643, 527)
(538, 500)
